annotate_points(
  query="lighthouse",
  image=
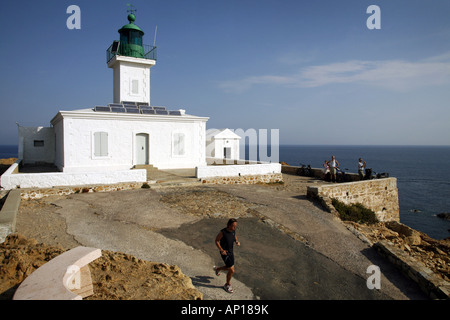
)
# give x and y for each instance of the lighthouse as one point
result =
(131, 61)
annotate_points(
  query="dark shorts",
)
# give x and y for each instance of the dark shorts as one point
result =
(228, 259)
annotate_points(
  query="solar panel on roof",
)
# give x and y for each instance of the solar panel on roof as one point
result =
(115, 105)
(147, 111)
(175, 113)
(145, 108)
(102, 109)
(117, 109)
(142, 103)
(129, 102)
(132, 110)
(159, 108)
(159, 111)
(130, 106)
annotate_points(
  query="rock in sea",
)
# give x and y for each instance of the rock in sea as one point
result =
(444, 215)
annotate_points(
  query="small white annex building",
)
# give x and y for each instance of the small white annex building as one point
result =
(222, 144)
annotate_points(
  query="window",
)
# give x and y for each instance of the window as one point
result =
(101, 144)
(135, 86)
(38, 143)
(178, 144)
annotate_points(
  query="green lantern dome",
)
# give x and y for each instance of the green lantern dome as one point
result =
(131, 39)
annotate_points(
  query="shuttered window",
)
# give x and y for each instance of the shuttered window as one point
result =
(135, 86)
(178, 144)
(101, 144)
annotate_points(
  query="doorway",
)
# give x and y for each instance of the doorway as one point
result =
(142, 148)
(227, 153)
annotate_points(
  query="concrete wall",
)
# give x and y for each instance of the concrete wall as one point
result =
(11, 180)
(203, 172)
(36, 144)
(379, 195)
(8, 214)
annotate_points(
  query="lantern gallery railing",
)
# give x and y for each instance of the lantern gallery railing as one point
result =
(144, 51)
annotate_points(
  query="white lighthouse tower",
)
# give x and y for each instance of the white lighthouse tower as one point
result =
(131, 61)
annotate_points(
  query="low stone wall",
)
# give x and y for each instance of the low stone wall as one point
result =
(249, 179)
(379, 195)
(435, 287)
(31, 193)
(316, 173)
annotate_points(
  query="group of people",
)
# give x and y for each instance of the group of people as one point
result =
(331, 167)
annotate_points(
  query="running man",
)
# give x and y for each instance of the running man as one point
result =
(224, 241)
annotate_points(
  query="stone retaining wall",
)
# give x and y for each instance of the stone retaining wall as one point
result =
(379, 195)
(435, 287)
(251, 179)
(28, 194)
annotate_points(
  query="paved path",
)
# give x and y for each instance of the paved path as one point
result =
(118, 230)
(270, 264)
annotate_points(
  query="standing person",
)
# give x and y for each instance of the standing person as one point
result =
(333, 163)
(361, 168)
(224, 241)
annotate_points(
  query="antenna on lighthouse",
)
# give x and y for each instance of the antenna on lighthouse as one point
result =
(132, 9)
(154, 39)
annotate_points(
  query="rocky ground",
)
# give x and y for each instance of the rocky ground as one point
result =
(434, 254)
(115, 275)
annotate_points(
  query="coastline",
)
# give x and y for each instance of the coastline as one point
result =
(49, 220)
(194, 205)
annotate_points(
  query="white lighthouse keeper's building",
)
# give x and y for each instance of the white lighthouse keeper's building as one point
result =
(124, 133)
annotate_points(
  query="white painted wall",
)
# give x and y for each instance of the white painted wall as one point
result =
(59, 145)
(36, 144)
(125, 71)
(10, 180)
(236, 170)
(79, 128)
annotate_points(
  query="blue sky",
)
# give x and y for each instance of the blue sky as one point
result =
(311, 69)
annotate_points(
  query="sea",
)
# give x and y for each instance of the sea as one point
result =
(422, 172)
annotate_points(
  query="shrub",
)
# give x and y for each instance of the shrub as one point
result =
(355, 212)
